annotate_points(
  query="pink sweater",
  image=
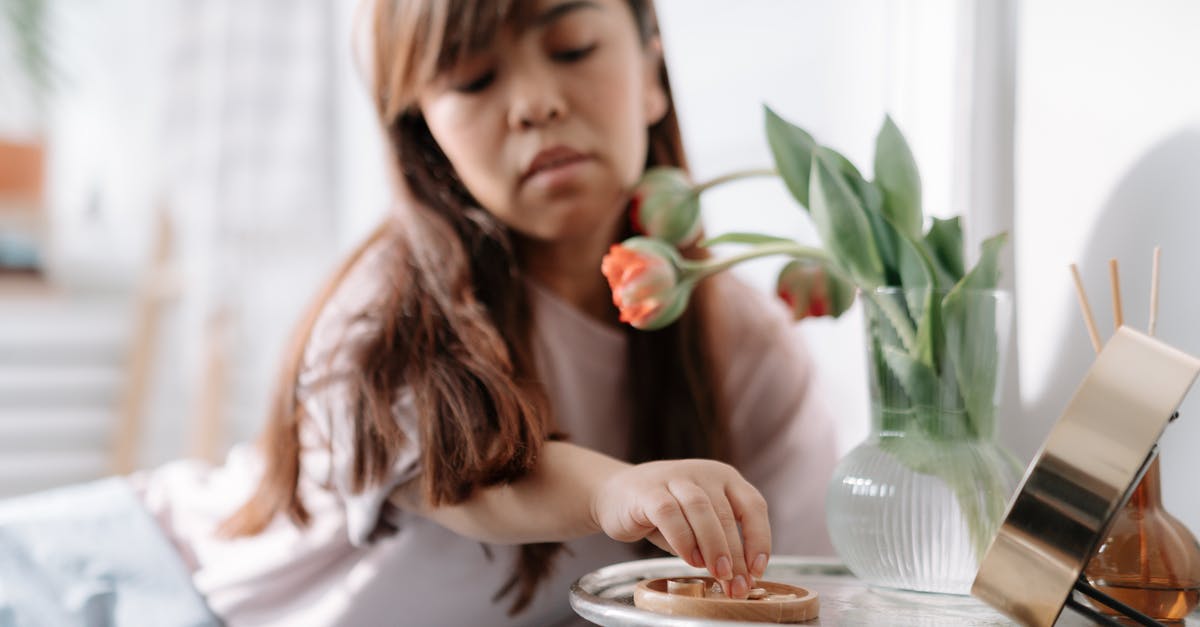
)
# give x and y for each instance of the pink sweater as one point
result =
(340, 571)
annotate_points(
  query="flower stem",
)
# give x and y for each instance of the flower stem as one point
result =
(733, 176)
(698, 270)
(703, 269)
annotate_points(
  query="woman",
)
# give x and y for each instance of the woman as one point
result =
(463, 427)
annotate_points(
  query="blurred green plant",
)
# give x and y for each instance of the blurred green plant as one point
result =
(26, 23)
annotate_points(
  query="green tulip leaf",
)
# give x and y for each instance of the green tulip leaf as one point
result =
(872, 201)
(793, 150)
(944, 241)
(918, 379)
(868, 193)
(969, 313)
(896, 173)
(986, 273)
(842, 222)
(921, 290)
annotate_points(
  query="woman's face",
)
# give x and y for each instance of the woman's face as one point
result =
(548, 128)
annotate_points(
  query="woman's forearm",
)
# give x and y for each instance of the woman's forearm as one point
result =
(553, 503)
(701, 510)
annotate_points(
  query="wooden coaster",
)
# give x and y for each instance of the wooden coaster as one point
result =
(693, 596)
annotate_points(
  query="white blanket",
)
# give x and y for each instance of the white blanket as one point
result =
(90, 555)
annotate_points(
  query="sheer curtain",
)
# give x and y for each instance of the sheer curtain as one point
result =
(222, 115)
(249, 144)
(246, 123)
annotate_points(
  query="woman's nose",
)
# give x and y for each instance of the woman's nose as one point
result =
(536, 101)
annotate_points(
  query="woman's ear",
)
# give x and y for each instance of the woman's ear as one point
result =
(655, 92)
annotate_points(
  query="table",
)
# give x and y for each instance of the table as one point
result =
(605, 597)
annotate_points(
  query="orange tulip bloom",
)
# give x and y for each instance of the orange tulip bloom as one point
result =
(644, 279)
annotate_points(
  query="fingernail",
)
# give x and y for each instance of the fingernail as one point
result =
(724, 568)
(697, 558)
(760, 565)
(739, 587)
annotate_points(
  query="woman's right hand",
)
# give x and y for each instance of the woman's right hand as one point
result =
(691, 508)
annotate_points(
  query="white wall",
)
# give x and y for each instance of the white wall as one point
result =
(1108, 152)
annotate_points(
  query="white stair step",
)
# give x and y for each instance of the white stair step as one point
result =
(55, 428)
(63, 326)
(11, 488)
(38, 470)
(50, 385)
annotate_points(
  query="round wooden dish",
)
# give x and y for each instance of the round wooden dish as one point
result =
(651, 594)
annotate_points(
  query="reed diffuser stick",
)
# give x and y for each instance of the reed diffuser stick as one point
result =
(1114, 279)
(1154, 292)
(1087, 309)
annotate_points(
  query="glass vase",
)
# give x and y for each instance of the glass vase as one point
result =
(1148, 559)
(916, 504)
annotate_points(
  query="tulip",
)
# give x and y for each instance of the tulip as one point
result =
(648, 286)
(811, 291)
(666, 205)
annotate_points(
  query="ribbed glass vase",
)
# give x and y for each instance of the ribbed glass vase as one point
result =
(916, 504)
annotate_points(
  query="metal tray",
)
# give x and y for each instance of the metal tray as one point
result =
(605, 597)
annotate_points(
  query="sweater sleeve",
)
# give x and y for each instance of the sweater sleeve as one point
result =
(783, 436)
(328, 396)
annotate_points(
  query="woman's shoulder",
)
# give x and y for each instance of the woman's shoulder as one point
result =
(350, 305)
(744, 316)
(750, 333)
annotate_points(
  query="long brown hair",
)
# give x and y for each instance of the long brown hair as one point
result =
(455, 325)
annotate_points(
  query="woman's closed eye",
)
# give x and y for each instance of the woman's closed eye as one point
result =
(477, 84)
(483, 80)
(574, 54)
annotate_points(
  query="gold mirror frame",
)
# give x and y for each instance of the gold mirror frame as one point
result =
(1083, 474)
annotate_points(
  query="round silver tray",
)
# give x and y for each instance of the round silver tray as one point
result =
(605, 597)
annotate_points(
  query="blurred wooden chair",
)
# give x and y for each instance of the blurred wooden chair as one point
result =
(161, 283)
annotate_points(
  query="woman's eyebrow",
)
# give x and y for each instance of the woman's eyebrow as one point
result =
(559, 10)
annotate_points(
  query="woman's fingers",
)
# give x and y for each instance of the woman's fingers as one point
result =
(742, 581)
(750, 508)
(700, 510)
(709, 535)
(666, 515)
(715, 529)
(656, 538)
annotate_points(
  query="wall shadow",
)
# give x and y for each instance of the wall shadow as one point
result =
(1157, 202)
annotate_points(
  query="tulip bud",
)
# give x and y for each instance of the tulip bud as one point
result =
(810, 290)
(645, 279)
(666, 205)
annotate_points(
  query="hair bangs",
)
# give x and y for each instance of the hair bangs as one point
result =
(417, 40)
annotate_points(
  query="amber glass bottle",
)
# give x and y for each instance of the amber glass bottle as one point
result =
(1148, 560)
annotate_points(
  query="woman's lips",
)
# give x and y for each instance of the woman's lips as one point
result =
(553, 164)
